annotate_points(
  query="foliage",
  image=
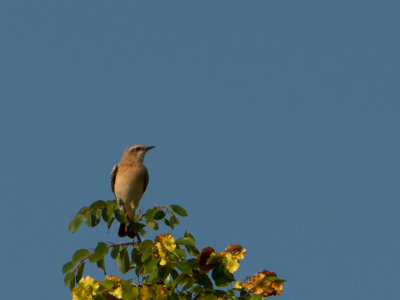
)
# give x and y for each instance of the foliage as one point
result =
(166, 268)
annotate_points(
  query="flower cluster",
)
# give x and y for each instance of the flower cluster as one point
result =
(112, 288)
(229, 258)
(165, 267)
(86, 289)
(263, 283)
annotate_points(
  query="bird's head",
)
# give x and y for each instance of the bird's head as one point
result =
(136, 152)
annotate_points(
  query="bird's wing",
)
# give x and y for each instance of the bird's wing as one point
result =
(146, 179)
(112, 177)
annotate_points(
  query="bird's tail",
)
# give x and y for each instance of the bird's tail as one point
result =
(127, 230)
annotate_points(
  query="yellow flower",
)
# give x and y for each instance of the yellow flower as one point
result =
(162, 253)
(167, 241)
(87, 287)
(164, 243)
(117, 292)
(230, 262)
(238, 285)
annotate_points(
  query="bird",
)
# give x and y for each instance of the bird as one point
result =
(129, 180)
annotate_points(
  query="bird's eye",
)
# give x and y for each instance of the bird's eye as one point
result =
(137, 148)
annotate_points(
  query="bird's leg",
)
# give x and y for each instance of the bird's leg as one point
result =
(133, 232)
(123, 226)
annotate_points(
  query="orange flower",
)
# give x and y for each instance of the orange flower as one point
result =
(233, 248)
(237, 251)
(264, 283)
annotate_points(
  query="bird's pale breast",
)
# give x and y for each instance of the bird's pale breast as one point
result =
(129, 184)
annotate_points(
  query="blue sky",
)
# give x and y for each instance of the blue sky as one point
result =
(276, 125)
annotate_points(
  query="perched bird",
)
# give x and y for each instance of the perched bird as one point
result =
(129, 180)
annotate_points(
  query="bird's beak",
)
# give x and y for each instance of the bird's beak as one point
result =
(149, 148)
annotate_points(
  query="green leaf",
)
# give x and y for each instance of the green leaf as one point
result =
(193, 262)
(189, 243)
(205, 281)
(152, 225)
(69, 278)
(159, 215)
(147, 254)
(88, 220)
(163, 272)
(187, 285)
(139, 270)
(180, 253)
(99, 253)
(115, 252)
(110, 223)
(173, 296)
(179, 210)
(79, 273)
(221, 276)
(192, 250)
(101, 265)
(130, 292)
(119, 215)
(83, 210)
(149, 215)
(99, 297)
(186, 241)
(140, 228)
(151, 277)
(173, 220)
(187, 234)
(197, 289)
(255, 297)
(98, 204)
(105, 285)
(136, 255)
(68, 266)
(174, 274)
(211, 297)
(136, 218)
(93, 219)
(151, 264)
(145, 245)
(112, 204)
(75, 223)
(123, 260)
(79, 254)
(167, 222)
(107, 214)
(184, 267)
(180, 279)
